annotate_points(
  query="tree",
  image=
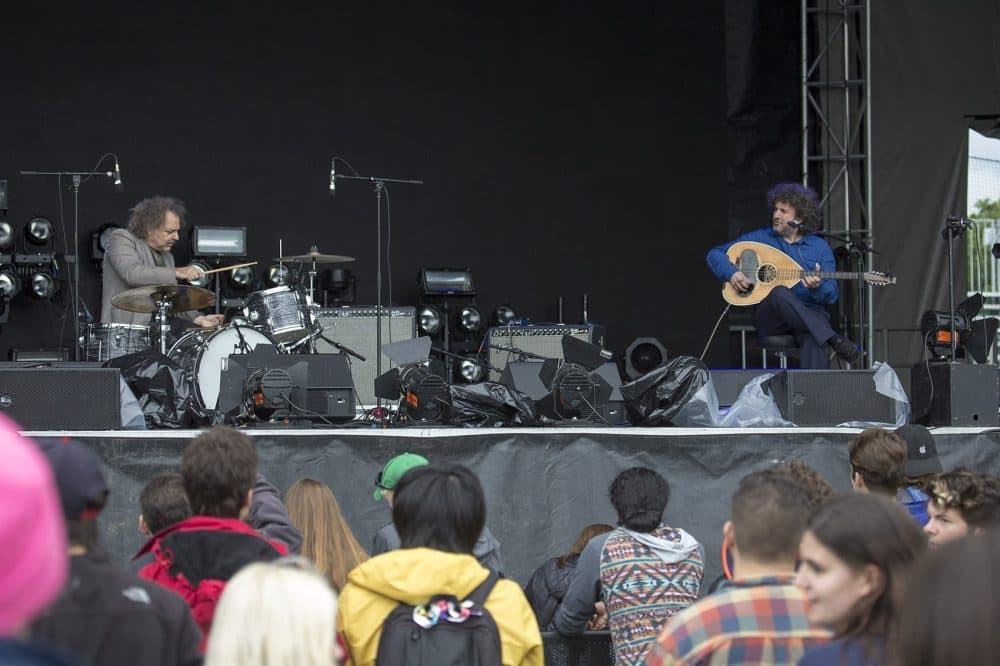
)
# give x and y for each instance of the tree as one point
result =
(987, 209)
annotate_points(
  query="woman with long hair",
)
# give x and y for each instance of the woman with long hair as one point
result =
(327, 539)
(854, 552)
(548, 585)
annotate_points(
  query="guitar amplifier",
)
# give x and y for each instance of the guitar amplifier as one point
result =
(354, 326)
(541, 339)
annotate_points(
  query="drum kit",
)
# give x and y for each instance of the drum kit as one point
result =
(283, 316)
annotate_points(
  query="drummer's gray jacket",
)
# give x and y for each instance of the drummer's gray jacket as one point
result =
(129, 263)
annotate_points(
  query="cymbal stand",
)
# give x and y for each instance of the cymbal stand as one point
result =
(162, 310)
(379, 184)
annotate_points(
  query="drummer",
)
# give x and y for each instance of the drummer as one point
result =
(140, 256)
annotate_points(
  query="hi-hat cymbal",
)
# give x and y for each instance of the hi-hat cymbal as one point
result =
(315, 256)
(181, 297)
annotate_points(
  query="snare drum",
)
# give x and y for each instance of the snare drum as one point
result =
(107, 341)
(283, 312)
(200, 354)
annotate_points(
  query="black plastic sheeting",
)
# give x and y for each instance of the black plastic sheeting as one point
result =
(658, 396)
(542, 484)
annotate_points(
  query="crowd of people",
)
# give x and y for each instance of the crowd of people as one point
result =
(897, 572)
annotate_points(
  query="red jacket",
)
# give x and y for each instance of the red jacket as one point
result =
(196, 557)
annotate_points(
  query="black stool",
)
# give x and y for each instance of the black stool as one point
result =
(781, 346)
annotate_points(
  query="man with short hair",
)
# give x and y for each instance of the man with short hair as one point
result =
(922, 464)
(643, 571)
(440, 512)
(196, 556)
(760, 617)
(878, 462)
(487, 548)
(140, 256)
(162, 503)
(106, 615)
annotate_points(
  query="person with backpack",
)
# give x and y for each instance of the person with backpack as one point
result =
(431, 601)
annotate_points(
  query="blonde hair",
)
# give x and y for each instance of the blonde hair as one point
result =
(327, 539)
(280, 613)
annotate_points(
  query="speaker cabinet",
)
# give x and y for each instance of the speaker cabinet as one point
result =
(539, 339)
(61, 396)
(729, 383)
(955, 394)
(830, 397)
(354, 327)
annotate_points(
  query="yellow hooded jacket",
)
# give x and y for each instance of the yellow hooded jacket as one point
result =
(414, 575)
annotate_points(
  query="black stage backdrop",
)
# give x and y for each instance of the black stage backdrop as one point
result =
(567, 148)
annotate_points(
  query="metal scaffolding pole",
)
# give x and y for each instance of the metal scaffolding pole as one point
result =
(836, 134)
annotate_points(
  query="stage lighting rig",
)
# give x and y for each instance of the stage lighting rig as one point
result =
(643, 355)
(277, 275)
(470, 369)
(429, 320)
(973, 337)
(503, 315)
(6, 235)
(470, 319)
(38, 230)
(241, 278)
(418, 383)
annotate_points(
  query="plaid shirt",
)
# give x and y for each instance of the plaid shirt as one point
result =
(754, 621)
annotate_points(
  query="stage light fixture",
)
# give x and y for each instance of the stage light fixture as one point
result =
(643, 355)
(219, 241)
(503, 315)
(242, 277)
(10, 283)
(43, 285)
(469, 318)
(6, 235)
(204, 279)
(99, 240)
(38, 230)
(446, 282)
(973, 337)
(470, 370)
(277, 275)
(429, 319)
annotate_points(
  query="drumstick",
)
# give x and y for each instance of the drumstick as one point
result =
(229, 268)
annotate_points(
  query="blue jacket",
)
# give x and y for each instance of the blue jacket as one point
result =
(807, 251)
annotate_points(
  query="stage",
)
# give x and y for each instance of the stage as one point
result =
(542, 484)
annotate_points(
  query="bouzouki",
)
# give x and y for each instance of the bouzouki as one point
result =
(767, 268)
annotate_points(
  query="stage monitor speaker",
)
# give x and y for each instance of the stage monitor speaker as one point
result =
(830, 397)
(354, 327)
(540, 339)
(729, 383)
(60, 396)
(955, 394)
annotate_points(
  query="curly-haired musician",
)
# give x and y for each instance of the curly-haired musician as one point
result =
(140, 256)
(799, 311)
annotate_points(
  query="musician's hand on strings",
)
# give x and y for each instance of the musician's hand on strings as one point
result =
(740, 281)
(210, 320)
(813, 281)
(189, 273)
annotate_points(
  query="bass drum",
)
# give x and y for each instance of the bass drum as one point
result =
(200, 355)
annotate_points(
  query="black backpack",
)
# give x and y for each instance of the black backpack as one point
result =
(474, 641)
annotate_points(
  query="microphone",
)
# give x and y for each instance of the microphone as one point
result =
(333, 177)
(794, 224)
(119, 183)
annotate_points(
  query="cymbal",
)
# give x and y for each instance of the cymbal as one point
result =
(316, 256)
(182, 298)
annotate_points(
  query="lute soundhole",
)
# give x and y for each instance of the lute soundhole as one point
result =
(767, 273)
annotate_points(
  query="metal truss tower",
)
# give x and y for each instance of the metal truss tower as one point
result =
(836, 137)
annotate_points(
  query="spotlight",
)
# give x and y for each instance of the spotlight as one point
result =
(10, 284)
(99, 240)
(241, 277)
(469, 318)
(204, 279)
(6, 235)
(429, 320)
(504, 315)
(38, 230)
(972, 336)
(643, 355)
(470, 370)
(43, 285)
(277, 275)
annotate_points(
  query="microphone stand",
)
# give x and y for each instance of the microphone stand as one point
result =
(954, 227)
(77, 177)
(379, 184)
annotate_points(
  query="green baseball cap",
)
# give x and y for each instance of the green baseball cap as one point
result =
(394, 471)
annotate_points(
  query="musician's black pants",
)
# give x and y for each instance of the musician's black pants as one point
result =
(782, 313)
